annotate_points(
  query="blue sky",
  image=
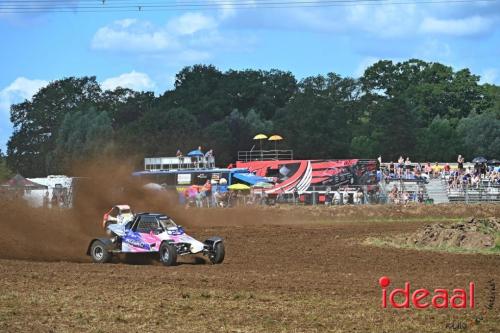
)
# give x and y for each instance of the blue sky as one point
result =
(144, 50)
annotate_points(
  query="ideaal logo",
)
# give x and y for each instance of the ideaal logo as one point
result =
(458, 298)
(422, 298)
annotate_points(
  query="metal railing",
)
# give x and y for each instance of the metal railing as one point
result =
(178, 163)
(483, 191)
(264, 155)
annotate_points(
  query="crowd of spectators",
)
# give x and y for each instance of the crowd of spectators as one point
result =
(457, 174)
(476, 177)
(402, 196)
(199, 160)
(344, 196)
(215, 193)
(406, 170)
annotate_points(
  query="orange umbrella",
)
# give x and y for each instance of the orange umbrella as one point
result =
(275, 138)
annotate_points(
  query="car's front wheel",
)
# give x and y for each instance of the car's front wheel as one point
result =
(99, 252)
(168, 254)
(217, 256)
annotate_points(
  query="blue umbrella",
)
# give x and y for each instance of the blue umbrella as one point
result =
(195, 153)
(479, 160)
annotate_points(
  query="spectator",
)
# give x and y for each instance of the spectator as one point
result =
(476, 180)
(401, 164)
(420, 196)
(483, 169)
(428, 169)
(407, 167)
(393, 195)
(336, 197)
(180, 156)
(207, 190)
(358, 197)
(345, 196)
(447, 169)
(327, 196)
(209, 158)
(460, 161)
(46, 199)
(405, 197)
(436, 169)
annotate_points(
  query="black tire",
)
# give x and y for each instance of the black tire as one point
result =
(168, 254)
(99, 252)
(217, 256)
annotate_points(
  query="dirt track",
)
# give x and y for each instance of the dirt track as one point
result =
(286, 270)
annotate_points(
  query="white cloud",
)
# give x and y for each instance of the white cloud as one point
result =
(133, 80)
(131, 35)
(125, 23)
(191, 23)
(432, 50)
(378, 21)
(490, 75)
(468, 26)
(187, 38)
(383, 21)
(142, 36)
(19, 90)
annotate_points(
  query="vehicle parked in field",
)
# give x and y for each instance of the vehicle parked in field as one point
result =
(153, 233)
(119, 214)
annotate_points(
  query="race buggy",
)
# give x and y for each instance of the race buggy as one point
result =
(153, 233)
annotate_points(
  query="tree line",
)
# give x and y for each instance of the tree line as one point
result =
(424, 110)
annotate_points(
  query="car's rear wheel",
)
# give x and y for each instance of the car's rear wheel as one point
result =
(99, 252)
(168, 254)
(217, 256)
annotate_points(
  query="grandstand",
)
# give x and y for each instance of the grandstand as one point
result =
(485, 191)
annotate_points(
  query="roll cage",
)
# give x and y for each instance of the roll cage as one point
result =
(146, 222)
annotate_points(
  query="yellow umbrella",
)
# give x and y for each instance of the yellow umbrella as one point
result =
(238, 187)
(260, 137)
(275, 138)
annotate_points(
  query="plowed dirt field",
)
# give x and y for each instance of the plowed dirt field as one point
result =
(288, 269)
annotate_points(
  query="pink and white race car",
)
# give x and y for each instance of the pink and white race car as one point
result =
(153, 233)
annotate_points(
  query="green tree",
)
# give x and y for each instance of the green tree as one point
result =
(125, 106)
(394, 131)
(481, 135)
(36, 122)
(317, 121)
(431, 88)
(162, 132)
(364, 147)
(83, 135)
(438, 142)
(234, 133)
(5, 173)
